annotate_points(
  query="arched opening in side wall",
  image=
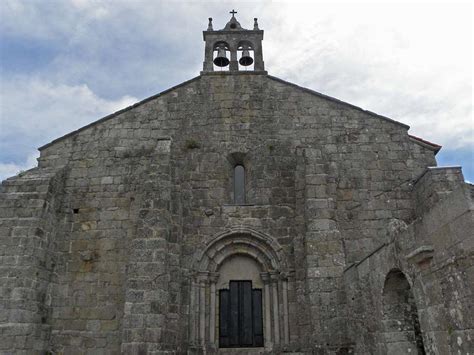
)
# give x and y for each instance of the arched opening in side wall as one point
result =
(402, 331)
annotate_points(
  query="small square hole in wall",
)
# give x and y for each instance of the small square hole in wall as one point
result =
(75, 210)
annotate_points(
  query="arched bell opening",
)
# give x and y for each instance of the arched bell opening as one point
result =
(242, 274)
(246, 56)
(401, 326)
(241, 47)
(221, 56)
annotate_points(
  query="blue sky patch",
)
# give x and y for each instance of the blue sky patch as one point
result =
(66, 63)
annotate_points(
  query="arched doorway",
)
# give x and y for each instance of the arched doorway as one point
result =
(247, 269)
(402, 331)
(240, 303)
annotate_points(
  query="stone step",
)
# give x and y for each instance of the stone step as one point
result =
(32, 180)
(21, 202)
(24, 187)
(21, 212)
(33, 177)
(16, 195)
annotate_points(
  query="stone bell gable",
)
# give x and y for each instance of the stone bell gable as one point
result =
(237, 213)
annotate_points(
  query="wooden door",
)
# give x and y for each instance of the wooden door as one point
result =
(240, 316)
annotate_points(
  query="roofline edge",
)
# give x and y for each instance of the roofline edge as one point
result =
(339, 101)
(432, 146)
(114, 114)
(424, 143)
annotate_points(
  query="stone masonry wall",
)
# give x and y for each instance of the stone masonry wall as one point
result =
(29, 206)
(435, 253)
(146, 188)
(114, 198)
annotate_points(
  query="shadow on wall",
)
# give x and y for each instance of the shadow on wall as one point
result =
(402, 331)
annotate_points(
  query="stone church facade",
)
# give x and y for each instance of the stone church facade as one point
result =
(237, 213)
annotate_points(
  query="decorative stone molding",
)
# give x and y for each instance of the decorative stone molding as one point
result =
(269, 255)
(267, 247)
(421, 255)
(395, 227)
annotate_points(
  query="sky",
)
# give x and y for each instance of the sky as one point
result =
(66, 63)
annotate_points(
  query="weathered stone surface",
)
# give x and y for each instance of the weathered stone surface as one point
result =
(113, 244)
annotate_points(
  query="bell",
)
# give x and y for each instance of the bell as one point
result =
(246, 59)
(221, 60)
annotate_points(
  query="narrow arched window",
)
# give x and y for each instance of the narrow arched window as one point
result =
(239, 184)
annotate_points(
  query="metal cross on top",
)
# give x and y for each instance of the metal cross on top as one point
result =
(233, 12)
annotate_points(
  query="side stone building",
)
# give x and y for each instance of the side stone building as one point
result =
(237, 213)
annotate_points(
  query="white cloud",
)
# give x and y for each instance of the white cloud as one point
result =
(11, 169)
(34, 112)
(49, 20)
(41, 108)
(408, 61)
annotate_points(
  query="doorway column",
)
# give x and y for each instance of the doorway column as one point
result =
(203, 279)
(276, 311)
(267, 306)
(286, 331)
(213, 277)
(194, 302)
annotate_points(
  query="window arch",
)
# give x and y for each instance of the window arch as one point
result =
(245, 55)
(239, 184)
(221, 56)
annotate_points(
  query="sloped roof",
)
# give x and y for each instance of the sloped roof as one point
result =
(330, 98)
(427, 144)
(424, 143)
(112, 115)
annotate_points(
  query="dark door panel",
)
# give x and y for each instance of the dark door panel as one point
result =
(240, 316)
(246, 327)
(224, 298)
(257, 317)
(234, 314)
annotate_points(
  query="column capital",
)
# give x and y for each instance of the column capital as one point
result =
(213, 277)
(265, 277)
(274, 275)
(288, 274)
(202, 277)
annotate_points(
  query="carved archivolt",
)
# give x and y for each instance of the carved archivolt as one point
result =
(268, 253)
